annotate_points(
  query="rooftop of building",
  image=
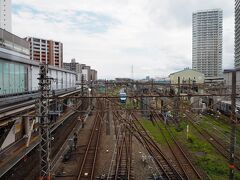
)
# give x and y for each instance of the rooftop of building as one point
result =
(186, 69)
(208, 10)
(231, 70)
(30, 37)
(12, 42)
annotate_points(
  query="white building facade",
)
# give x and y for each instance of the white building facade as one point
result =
(237, 34)
(207, 42)
(5, 15)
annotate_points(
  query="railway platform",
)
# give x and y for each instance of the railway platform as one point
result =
(15, 152)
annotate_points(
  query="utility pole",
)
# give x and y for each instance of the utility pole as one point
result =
(106, 88)
(177, 104)
(189, 86)
(152, 85)
(82, 79)
(233, 128)
(44, 127)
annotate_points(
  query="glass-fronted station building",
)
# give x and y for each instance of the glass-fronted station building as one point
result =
(13, 77)
(19, 74)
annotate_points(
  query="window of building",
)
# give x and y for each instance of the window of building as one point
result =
(1, 77)
(11, 78)
(6, 78)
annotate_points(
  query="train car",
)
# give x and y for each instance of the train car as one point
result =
(123, 97)
(225, 108)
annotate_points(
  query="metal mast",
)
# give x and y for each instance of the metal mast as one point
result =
(43, 115)
(233, 128)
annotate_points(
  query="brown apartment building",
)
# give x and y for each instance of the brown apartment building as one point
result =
(46, 51)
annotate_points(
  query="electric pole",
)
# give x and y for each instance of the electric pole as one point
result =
(82, 81)
(177, 103)
(44, 123)
(233, 128)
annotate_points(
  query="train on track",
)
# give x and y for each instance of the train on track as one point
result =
(225, 108)
(122, 96)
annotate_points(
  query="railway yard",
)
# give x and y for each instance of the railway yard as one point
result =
(119, 90)
(150, 133)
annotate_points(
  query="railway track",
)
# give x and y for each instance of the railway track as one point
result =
(165, 168)
(209, 137)
(56, 144)
(188, 171)
(88, 164)
(215, 142)
(27, 169)
(186, 168)
(123, 152)
(123, 160)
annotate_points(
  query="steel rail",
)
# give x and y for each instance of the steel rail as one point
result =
(93, 142)
(119, 157)
(167, 169)
(124, 153)
(173, 172)
(185, 166)
(182, 153)
(212, 140)
(133, 131)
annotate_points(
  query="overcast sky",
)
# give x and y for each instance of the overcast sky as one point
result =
(155, 36)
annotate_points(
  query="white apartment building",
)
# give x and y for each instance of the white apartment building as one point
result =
(237, 34)
(85, 74)
(5, 15)
(46, 51)
(207, 42)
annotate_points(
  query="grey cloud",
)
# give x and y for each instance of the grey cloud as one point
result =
(152, 34)
(179, 13)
